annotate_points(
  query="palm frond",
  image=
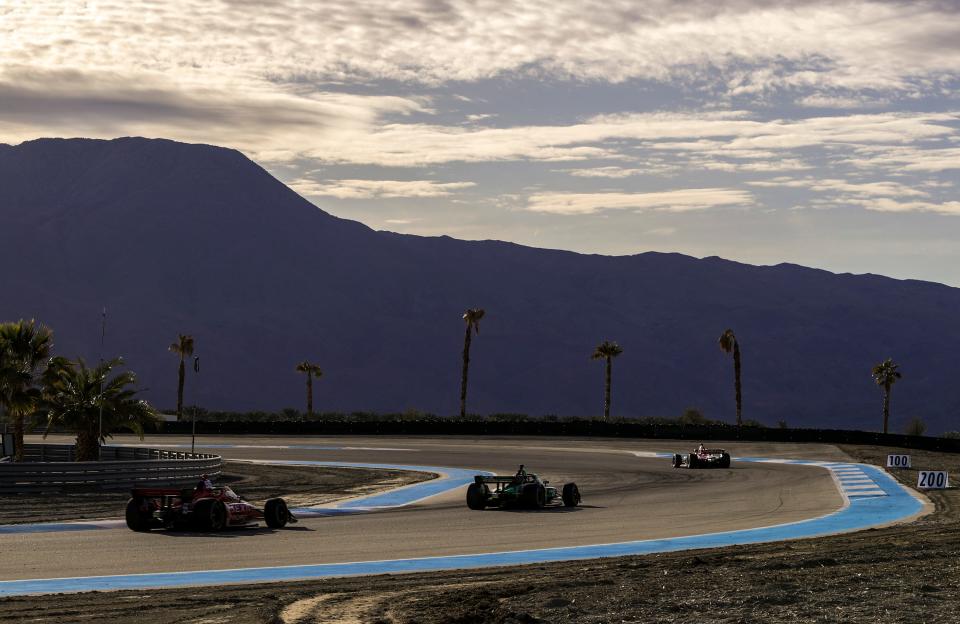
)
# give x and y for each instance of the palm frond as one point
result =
(308, 367)
(606, 349)
(472, 318)
(886, 373)
(727, 341)
(77, 395)
(183, 346)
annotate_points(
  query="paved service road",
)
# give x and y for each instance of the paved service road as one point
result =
(626, 496)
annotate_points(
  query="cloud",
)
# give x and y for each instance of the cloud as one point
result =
(264, 123)
(649, 168)
(867, 189)
(662, 231)
(728, 135)
(927, 159)
(819, 100)
(386, 189)
(883, 204)
(754, 45)
(684, 200)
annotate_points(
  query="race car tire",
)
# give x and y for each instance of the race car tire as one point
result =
(692, 461)
(210, 515)
(725, 460)
(571, 495)
(477, 495)
(677, 460)
(137, 520)
(275, 513)
(535, 496)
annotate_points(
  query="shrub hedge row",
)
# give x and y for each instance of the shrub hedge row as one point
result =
(557, 427)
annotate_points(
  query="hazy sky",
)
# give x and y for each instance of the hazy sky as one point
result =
(821, 133)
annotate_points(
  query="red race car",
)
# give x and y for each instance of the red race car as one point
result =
(703, 458)
(200, 509)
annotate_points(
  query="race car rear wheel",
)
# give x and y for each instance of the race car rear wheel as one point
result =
(137, 518)
(677, 460)
(571, 495)
(477, 495)
(275, 513)
(725, 460)
(210, 515)
(692, 461)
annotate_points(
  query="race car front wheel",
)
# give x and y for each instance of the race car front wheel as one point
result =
(571, 495)
(275, 513)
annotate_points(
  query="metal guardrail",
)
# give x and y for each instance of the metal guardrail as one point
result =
(50, 468)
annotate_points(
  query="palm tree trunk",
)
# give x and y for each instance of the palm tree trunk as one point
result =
(18, 436)
(736, 381)
(87, 446)
(463, 378)
(606, 392)
(180, 391)
(309, 393)
(886, 405)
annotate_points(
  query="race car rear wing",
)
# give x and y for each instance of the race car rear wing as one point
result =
(156, 492)
(497, 479)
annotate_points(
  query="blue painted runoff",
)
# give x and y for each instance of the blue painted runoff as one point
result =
(859, 514)
(451, 478)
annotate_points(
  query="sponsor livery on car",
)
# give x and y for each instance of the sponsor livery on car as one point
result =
(703, 458)
(519, 490)
(200, 509)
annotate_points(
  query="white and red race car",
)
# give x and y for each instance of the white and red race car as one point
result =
(211, 509)
(702, 458)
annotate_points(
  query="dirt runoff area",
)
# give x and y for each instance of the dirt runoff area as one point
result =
(907, 573)
(301, 486)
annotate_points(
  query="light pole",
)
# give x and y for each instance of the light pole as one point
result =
(103, 336)
(193, 425)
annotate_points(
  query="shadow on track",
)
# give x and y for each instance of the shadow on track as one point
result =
(232, 532)
(558, 509)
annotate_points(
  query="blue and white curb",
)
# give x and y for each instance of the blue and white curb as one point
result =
(872, 498)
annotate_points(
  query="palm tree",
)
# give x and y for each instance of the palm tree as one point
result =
(607, 350)
(728, 342)
(311, 370)
(77, 397)
(472, 318)
(184, 348)
(24, 348)
(885, 374)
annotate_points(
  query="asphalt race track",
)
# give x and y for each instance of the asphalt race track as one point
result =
(629, 495)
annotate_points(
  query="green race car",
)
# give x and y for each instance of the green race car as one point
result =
(520, 490)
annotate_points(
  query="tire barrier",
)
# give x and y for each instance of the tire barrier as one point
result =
(50, 468)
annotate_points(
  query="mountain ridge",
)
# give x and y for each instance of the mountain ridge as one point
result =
(191, 238)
